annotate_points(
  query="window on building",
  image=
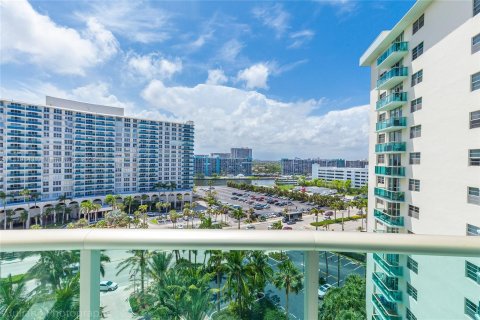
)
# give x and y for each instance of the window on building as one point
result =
(471, 309)
(418, 24)
(473, 230)
(414, 158)
(416, 105)
(410, 315)
(474, 157)
(476, 7)
(413, 185)
(417, 51)
(417, 77)
(472, 271)
(476, 43)
(411, 291)
(475, 81)
(475, 119)
(413, 211)
(473, 195)
(415, 131)
(412, 264)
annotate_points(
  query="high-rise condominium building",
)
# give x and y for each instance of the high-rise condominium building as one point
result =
(425, 158)
(299, 166)
(86, 151)
(241, 153)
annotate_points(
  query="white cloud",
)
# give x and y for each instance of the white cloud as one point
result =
(230, 50)
(301, 37)
(226, 116)
(135, 20)
(274, 17)
(152, 66)
(255, 76)
(216, 77)
(343, 6)
(29, 36)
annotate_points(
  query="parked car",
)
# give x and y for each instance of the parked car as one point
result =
(322, 291)
(250, 227)
(151, 214)
(108, 286)
(287, 228)
(290, 222)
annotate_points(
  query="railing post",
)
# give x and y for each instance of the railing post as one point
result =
(89, 284)
(310, 306)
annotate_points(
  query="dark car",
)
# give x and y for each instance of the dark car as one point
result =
(291, 222)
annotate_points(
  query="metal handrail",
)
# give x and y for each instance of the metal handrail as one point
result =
(150, 239)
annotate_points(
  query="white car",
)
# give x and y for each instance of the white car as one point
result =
(180, 226)
(250, 227)
(108, 286)
(322, 291)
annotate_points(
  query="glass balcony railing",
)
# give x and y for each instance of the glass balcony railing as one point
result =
(390, 266)
(391, 78)
(397, 196)
(390, 171)
(392, 101)
(392, 124)
(202, 274)
(389, 220)
(391, 147)
(386, 285)
(387, 310)
(396, 51)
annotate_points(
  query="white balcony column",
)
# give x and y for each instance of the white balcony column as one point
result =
(89, 284)
(310, 305)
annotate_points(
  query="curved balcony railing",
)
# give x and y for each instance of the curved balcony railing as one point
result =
(394, 52)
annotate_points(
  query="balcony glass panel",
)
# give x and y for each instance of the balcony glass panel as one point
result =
(391, 147)
(392, 221)
(389, 195)
(393, 53)
(391, 78)
(390, 171)
(392, 124)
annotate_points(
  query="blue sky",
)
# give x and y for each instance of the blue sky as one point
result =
(281, 77)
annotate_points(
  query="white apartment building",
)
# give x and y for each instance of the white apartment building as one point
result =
(86, 151)
(425, 158)
(358, 176)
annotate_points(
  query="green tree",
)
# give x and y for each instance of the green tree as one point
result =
(14, 301)
(3, 197)
(347, 302)
(239, 215)
(237, 284)
(215, 262)
(111, 200)
(62, 199)
(277, 225)
(26, 194)
(260, 269)
(289, 278)
(136, 263)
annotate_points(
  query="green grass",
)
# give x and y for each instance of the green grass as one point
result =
(16, 278)
(286, 187)
(338, 220)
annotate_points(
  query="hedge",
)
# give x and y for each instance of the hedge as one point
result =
(338, 220)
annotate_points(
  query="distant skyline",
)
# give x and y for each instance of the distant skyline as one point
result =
(279, 77)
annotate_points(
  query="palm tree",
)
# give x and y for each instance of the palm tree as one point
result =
(167, 206)
(237, 282)
(85, 209)
(62, 199)
(46, 213)
(10, 214)
(24, 217)
(14, 302)
(95, 208)
(238, 214)
(215, 262)
(111, 200)
(289, 278)
(180, 198)
(26, 194)
(158, 265)
(143, 198)
(277, 225)
(3, 197)
(66, 299)
(136, 263)
(259, 269)
(143, 211)
(128, 201)
(173, 217)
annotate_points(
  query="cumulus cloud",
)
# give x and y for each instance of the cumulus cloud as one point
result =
(152, 66)
(30, 36)
(216, 76)
(255, 76)
(225, 116)
(274, 17)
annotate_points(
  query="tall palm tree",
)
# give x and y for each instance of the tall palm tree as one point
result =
(180, 198)
(128, 201)
(10, 214)
(260, 269)
(136, 263)
(215, 262)
(26, 194)
(86, 208)
(237, 282)
(158, 265)
(46, 213)
(62, 199)
(24, 217)
(111, 200)
(66, 299)
(3, 197)
(289, 278)
(96, 208)
(143, 211)
(238, 214)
